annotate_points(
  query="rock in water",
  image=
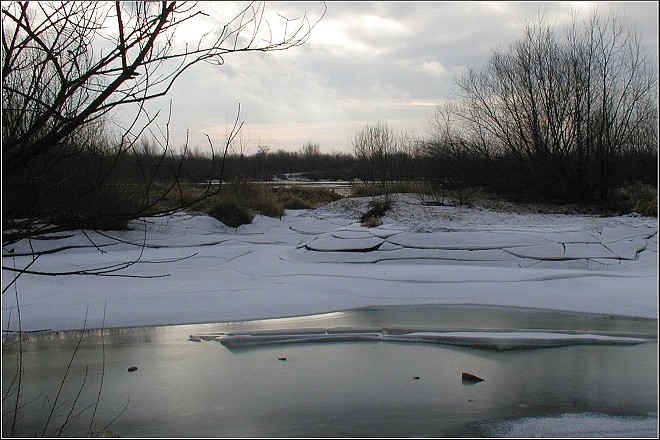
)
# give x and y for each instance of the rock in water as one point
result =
(131, 369)
(470, 378)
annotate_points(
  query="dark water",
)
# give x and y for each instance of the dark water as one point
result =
(349, 389)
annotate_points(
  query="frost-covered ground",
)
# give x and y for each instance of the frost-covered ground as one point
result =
(193, 269)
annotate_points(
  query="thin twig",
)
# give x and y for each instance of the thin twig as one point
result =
(67, 421)
(20, 358)
(98, 396)
(59, 391)
(20, 272)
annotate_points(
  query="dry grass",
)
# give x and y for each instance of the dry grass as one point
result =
(238, 202)
(376, 189)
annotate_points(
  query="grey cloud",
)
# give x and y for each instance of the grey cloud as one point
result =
(385, 68)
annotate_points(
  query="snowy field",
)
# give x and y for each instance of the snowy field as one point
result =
(194, 269)
(185, 269)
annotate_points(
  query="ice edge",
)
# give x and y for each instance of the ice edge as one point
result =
(486, 340)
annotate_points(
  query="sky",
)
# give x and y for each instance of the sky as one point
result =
(364, 62)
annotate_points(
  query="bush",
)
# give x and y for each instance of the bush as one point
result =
(231, 213)
(239, 201)
(266, 204)
(374, 189)
(108, 207)
(362, 190)
(194, 197)
(372, 217)
(299, 197)
(639, 198)
(295, 202)
(647, 207)
(74, 191)
(371, 222)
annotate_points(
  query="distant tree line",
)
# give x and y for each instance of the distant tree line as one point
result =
(307, 162)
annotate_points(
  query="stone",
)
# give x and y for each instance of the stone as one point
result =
(470, 378)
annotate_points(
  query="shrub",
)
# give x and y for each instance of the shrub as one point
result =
(266, 204)
(430, 193)
(375, 189)
(295, 202)
(259, 198)
(299, 197)
(362, 190)
(193, 197)
(108, 207)
(231, 213)
(639, 198)
(371, 222)
(239, 200)
(377, 210)
(647, 207)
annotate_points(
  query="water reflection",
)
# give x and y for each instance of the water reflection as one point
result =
(350, 389)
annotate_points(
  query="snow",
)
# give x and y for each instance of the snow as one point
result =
(193, 269)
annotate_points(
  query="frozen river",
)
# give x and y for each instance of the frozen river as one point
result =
(188, 384)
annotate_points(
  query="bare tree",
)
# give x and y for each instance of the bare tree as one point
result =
(565, 105)
(310, 154)
(68, 67)
(309, 150)
(376, 147)
(459, 154)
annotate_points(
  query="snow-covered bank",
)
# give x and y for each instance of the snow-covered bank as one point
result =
(193, 269)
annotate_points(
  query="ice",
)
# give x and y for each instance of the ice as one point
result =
(325, 244)
(516, 340)
(628, 249)
(503, 340)
(471, 240)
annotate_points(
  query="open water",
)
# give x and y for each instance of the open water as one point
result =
(187, 387)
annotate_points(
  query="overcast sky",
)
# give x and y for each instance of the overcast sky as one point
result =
(364, 62)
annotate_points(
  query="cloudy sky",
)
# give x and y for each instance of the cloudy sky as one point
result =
(364, 62)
